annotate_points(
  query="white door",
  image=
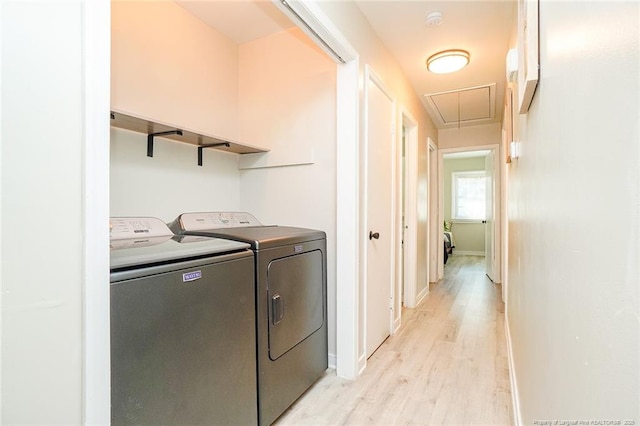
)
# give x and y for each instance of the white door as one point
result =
(489, 246)
(379, 213)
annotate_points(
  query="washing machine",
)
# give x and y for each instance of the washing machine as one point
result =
(291, 302)
(182, 327)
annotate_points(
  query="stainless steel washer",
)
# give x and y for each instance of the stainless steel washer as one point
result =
(182, 327)
(291, 292)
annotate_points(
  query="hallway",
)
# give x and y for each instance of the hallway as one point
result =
(446, 366)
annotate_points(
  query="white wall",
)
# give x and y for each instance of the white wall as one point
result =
(288, 104)
(170, 66)
(470, 136)
(45, 228)
(287, 97)
(574, 221)
(170, 182)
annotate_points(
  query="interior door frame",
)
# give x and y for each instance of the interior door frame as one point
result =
(96, 51)
(497, 191)
(504, 260)
(348, 234)
(371, 76)
(491, 264)
(409, 251)
(432, 209)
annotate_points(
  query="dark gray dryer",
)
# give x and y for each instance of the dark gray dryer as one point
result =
(182, 327)
(291, 294)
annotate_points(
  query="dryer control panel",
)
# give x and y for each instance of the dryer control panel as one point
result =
(213, 220)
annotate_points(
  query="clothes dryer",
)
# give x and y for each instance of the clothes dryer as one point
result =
(291, 302)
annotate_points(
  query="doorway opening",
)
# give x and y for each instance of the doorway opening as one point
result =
(469, 204)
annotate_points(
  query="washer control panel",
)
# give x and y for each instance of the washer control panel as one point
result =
(125, 228)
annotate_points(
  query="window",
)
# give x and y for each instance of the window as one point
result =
(468, 195)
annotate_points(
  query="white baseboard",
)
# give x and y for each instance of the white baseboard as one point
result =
(515, 398)
(332, 361)
(397, 323)
(467, 253)
(422, 295)
(362, 363)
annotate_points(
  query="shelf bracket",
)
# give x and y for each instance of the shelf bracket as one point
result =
(151, 136)
(211, 145)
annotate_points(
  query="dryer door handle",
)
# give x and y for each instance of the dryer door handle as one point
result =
(277, 309)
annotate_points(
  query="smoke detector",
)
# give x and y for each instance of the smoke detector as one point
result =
(434, 19)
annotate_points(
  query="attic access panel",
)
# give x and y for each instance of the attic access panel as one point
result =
(471, 105)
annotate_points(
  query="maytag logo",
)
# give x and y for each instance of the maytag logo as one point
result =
(191, 276)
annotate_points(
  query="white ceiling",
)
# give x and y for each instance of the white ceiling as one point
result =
(481, 27)
(240, 20)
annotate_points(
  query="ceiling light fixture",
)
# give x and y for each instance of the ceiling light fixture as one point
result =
(448, 61)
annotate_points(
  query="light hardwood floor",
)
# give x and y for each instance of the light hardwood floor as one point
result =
(446, 366)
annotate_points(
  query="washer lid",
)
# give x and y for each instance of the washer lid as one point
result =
(145, 251)
(136, 241)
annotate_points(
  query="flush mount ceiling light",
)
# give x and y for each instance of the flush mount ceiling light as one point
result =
(448, 61)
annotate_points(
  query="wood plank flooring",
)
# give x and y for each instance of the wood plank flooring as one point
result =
(446, 366)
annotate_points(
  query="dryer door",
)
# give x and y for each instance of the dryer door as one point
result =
(295, 300)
